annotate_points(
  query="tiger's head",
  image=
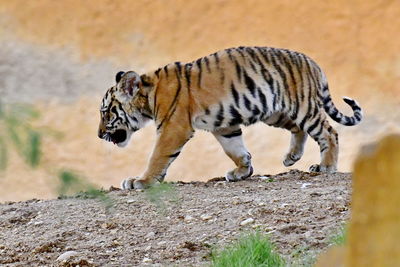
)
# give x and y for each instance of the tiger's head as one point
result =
(124, 108)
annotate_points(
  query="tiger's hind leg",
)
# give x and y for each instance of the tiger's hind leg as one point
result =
(327, 139)
(296, 149)
(232, 143)
(297, 140)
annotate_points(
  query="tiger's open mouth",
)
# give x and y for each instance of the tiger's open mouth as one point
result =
(118, 136)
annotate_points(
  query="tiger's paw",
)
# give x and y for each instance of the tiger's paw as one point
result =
(239, 174)
(322, 168)
(132, 183)
(290, 159)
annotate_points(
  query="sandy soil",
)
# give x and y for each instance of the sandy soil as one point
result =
(299, 210)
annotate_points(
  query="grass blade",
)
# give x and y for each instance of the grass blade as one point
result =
(33, 152)
(3, 154)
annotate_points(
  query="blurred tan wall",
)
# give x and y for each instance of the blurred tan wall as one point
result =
(355, 42)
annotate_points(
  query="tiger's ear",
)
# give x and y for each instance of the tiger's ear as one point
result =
(118, 76)
(127, 85)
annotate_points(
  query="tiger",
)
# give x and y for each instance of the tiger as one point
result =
(219, 93)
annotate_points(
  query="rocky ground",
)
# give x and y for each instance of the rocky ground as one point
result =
(300, 211)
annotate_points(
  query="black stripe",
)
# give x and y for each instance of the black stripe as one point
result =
(220, 116)
(179, 67)
(256, 111)
(313, 126)
(247, 102)
(233, 134)
(157, 72)
(250, 84)
(198, 63)
(288, 65)
(238, 71)
(237, 118)
(320, 130)
(166, 70)
(279, 121)
(263, 100)
(326, 100)
(253, 67)
(229, 52)
(175, 154)
(173, 105)
(235, 94)
(239, 50)
(216, 58)
(146, 116)
(188, 71)
(207, 64)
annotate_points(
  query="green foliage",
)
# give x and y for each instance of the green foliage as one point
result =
(340, 238)
(16, 129)
(160, 194)
(251, 250)
(72, 184)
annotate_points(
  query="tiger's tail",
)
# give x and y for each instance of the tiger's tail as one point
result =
(338, 116)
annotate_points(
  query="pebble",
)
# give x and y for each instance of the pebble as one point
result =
(130, 201)
(147, 248)
(305, 185)
(188, 218)
(150, 235)
(66, 255)
(162, 243)
(205, 217)
(247, 221)
(147, 260)
(307, 234)
(220, 183)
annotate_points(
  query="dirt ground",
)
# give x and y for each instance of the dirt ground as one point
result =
(300, 211)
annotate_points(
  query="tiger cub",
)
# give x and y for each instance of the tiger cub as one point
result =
(218, 93)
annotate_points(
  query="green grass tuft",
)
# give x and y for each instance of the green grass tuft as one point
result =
(248, 251)
(340, 238)
(71, 183)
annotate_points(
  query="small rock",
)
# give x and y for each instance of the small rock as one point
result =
(150, 235)
(307, 234)
(38, 223)
(247, 221)
(220, 183)
(263, 177)
(66, 255)
(147, 248)
(305, 185)
(130, 201)
(147, 260)
(205, 217)
(162, 243)
(188, 218)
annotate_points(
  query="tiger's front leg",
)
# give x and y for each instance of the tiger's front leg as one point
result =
(168, 146)
(232, 143)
